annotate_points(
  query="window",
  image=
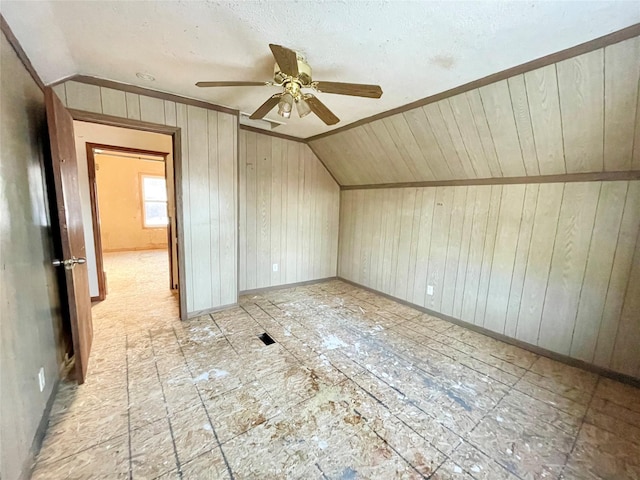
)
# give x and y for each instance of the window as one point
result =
(154, 201)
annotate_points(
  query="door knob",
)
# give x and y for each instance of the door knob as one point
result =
(69, 263)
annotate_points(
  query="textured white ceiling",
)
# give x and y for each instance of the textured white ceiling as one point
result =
(412, 49)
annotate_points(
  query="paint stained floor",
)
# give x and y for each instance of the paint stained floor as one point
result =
(356, 386)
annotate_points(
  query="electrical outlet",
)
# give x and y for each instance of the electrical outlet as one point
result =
(275, 267)
(41, 379)
(429, 289)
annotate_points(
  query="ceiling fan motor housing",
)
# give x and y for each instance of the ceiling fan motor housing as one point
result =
(304, 73)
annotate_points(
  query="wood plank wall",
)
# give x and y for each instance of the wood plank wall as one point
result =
(578, 115)
(289, 206)
(209, 183)
(554, 265)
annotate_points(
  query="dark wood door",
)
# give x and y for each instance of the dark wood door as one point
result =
(67, 194)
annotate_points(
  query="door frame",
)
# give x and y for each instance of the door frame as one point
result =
(95, 210)
(175, 133)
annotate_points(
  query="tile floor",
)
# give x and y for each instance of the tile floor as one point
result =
(356, 386)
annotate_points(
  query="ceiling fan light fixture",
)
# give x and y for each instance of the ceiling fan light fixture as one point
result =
(285, 105)
(303, 107)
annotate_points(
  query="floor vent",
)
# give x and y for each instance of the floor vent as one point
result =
(266, 339)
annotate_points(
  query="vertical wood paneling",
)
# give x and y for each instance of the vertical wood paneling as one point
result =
(408, 199)
(422, 259)
(209, 185)
(546, 122)
(622, 77)
(598, 269)
(152, 110)
(578, 115)
(550, 264)
(183, 123)
(242, 222)
(543, 236)
(85, 97)
(496, 100)
(504, 257)
(627, 238)
(199, 208)
(113, 102)
(263, 210)
(476, 250)
(453, 250)
(133, 106)
(495, 205)
(251, 243)
(289, 207)
(276, 212)
(625, 356)
(522, 255)
(438, 250)
(214, 207)
(443, 139)
(469, 135)
(456, 139)
(522, 117)
(480, 120)
(581, 85)
(567, 265)
(293, 172)
(422, 132)
(463, 261)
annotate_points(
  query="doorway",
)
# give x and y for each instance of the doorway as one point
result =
(133, 207)
(128, 184)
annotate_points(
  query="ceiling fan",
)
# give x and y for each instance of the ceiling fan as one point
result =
(293, 73)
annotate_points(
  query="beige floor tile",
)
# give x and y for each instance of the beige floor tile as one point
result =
(239, 410)
(206, 466)
(192, 432)
(479, 465)
(108, 460)
(70, 434)
(152, 452)
(599, 454)
(522, 443)
(451, 471)
(619, 393)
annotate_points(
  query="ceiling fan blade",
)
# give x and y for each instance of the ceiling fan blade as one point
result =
(266, 107)
(286, 59)
(231, 84)
(355, 89)
(321, 110)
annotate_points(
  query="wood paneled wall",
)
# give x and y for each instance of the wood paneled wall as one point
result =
(554, 265)
(289, 207)
(578, 115)
(209, 183)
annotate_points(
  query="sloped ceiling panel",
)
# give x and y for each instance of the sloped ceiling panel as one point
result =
(576, 116)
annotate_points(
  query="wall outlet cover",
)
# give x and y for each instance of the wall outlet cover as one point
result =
(275, 267)
(429, 289)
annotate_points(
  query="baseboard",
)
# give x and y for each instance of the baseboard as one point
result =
(573, 362)
(207, 311)
(29, 463)
(257, 291)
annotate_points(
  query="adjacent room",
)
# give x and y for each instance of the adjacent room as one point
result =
(320, 240)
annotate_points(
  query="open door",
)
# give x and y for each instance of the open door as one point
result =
(67, 194)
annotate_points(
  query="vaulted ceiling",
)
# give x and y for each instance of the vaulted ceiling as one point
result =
(412, 49)
(579, 115)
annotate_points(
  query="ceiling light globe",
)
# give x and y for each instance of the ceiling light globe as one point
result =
(303, 107)
(285, 105)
